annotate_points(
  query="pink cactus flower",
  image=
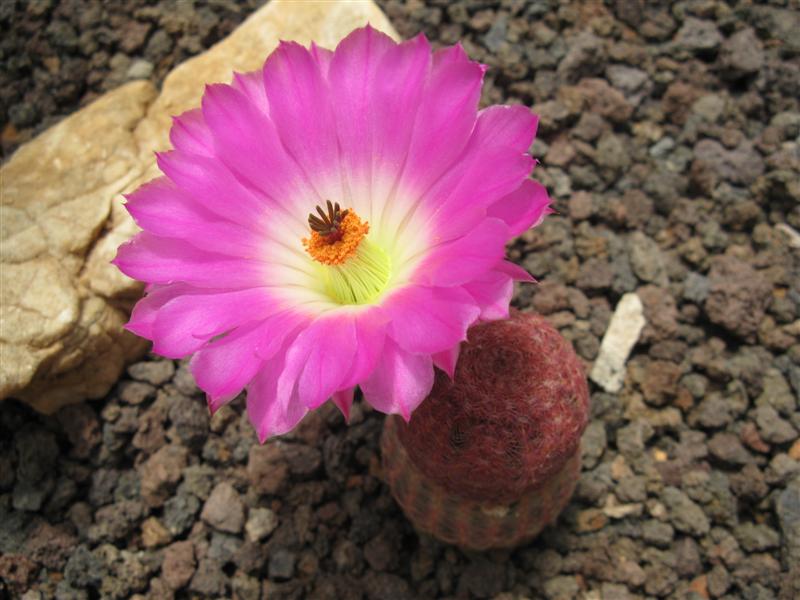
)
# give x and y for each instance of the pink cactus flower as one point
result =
(336, 219)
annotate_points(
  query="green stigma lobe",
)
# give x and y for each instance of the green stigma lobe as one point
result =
(361, 278)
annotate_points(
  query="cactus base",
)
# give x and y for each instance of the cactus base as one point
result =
(473, 525)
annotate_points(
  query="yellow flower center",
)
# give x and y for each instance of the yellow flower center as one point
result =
(354, 269)
(336, 247)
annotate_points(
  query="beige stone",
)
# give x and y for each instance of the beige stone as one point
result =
(621, 336)
(59, 341)
(62, 305)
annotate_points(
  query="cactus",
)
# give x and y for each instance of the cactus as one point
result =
(492, 457)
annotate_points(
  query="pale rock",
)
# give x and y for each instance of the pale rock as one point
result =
(224, 509)
(260, 523)
(792, 236)
(56, 204)
(62, 304)
(614, 510)
(139, 69)
(622, 334)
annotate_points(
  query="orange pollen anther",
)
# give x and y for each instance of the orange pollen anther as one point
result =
(336, 247)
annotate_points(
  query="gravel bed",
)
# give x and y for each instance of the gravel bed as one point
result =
(669, 141)
(59, 55)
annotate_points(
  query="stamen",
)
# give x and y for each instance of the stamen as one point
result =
(335, 240)
(355, 270)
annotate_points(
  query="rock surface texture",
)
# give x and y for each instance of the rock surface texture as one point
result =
(62, 305)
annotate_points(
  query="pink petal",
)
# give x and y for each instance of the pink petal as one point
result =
(333, 353)
(447, 360)
(370, 328)
(494, 165)
(492, 291)
(343, 399)
(400, 381)
(523, 208)
(144, 313)
(187, 322)
(248, 143)
(282, 325)
(228, 364)
(162, 260)
(224, 367)
(376, 87)
(252, 86)
(460, 261)
(318, 360)
(513, 126)
(214, 187)
(449, 55)
(300, 107)
(270, 412)
(323, 56)
(404, 71)
(514, 271)
(190, 135)
(426, 320)
(445, 120)
(160, 208)
(352, 77)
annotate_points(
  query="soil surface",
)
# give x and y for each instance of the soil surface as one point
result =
(669, 141)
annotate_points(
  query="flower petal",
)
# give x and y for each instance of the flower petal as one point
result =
(343, 399)
(252, 85)
(445, 120)
(400, 381)
(370, 327)
(270, 412)
(323, 56)
(187, 322)
(447, 360)
(376, 86)
(146, 310)
(300, 107)
(248, 143)
(513, 126)
(514, 271)
(163, 260)
(224, 367)
(426, 320)
(460, 261)
(318, 360)
(523, 208)
(160, 208)
(214, 187)
(450, 54)
(492, 292)
(442, 126)
(189, 134)
(494, 165)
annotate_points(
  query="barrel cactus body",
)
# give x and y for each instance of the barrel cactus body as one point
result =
(491, 457)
